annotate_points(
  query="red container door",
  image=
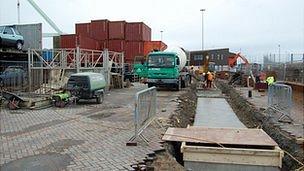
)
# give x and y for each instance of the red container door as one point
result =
(117, 30)
(68, 41)
(83, 29)
(117, 45)
(87, 43)
(134, 49)
(138, 32)
(100, 29)
(103, 45)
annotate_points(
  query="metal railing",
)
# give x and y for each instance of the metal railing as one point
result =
(280, 99)
(144, 113)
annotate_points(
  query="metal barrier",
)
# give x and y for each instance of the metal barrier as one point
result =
(280, 99)
(145, 111)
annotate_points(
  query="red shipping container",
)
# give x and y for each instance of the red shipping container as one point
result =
(117, 45)
(134, 49)
(68, 41)
(138, 32)
(100, 29)
(87, 43)
(83, 29)
(150, 46)
(117, 30)
(103, 44)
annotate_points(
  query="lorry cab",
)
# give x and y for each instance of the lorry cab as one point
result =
(164, 70)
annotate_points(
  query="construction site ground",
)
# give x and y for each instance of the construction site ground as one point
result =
(85, 136)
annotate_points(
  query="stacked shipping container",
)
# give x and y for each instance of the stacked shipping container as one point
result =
(134, 39)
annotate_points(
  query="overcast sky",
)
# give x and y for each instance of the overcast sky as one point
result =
(255, 27)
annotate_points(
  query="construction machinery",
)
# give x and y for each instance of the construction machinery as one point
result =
(232, 60)
(167, 69)
(207, 66)
(241, 76)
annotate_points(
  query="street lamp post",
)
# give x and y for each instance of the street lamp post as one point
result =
(202, 10)
(279, 53)
(161, 35)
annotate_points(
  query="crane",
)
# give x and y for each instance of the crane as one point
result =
(45, 17)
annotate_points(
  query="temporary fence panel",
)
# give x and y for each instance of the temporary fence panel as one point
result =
(145, 111)
(280, 99)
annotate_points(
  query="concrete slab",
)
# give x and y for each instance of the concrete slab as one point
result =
(215, 113)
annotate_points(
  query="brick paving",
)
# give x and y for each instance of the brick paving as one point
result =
(93, 136)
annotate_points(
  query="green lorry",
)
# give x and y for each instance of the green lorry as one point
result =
(167, 69)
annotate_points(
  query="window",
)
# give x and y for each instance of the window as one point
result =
(218, 57)
(1, 28)
(212, 56)
(198, 57)
(222, 57)
(161, 61)
(8, 30)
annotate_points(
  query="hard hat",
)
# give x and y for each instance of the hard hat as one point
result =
(208, 72)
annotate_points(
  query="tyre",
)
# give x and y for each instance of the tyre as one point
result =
(150, 85)
(19, 45)
(1, 83)
(99, 98)
(179, 85)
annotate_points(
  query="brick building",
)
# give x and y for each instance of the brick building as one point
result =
(218, 56)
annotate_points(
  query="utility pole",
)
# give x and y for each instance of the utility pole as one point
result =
(279, 53)
(202, 10)
(18, 10)
(161, 35)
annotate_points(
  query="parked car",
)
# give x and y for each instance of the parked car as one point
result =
(13, 76)
(10, 37)
(87, 85)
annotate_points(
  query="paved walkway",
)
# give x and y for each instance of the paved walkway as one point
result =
(80, 137)
(215, 112)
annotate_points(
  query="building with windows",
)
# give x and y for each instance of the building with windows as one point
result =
(218, 56)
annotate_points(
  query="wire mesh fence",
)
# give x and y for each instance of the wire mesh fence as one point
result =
(286, 67)
(145, 110)
(280, 99)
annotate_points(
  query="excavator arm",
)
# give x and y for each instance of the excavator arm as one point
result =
(232, 60)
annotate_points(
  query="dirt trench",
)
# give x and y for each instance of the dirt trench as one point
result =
(171, 158)
(257, 118)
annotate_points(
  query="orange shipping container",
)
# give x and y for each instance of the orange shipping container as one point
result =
(150, 46)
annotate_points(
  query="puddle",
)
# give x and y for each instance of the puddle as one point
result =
(45, 162)
(101, 115)
(61, 145)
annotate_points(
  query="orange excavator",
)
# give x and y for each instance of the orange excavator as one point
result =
(233, 59)
(232, 62)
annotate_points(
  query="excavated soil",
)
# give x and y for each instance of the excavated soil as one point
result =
(171, 158)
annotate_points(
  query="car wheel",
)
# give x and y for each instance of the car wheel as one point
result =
(19, 45)
(150, 85)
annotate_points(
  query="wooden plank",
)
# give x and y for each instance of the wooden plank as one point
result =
(229, 136)
(233, 155)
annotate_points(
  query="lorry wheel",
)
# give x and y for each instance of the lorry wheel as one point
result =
(178, 86)
(99, 99)
(1, 83)
(19, 45)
